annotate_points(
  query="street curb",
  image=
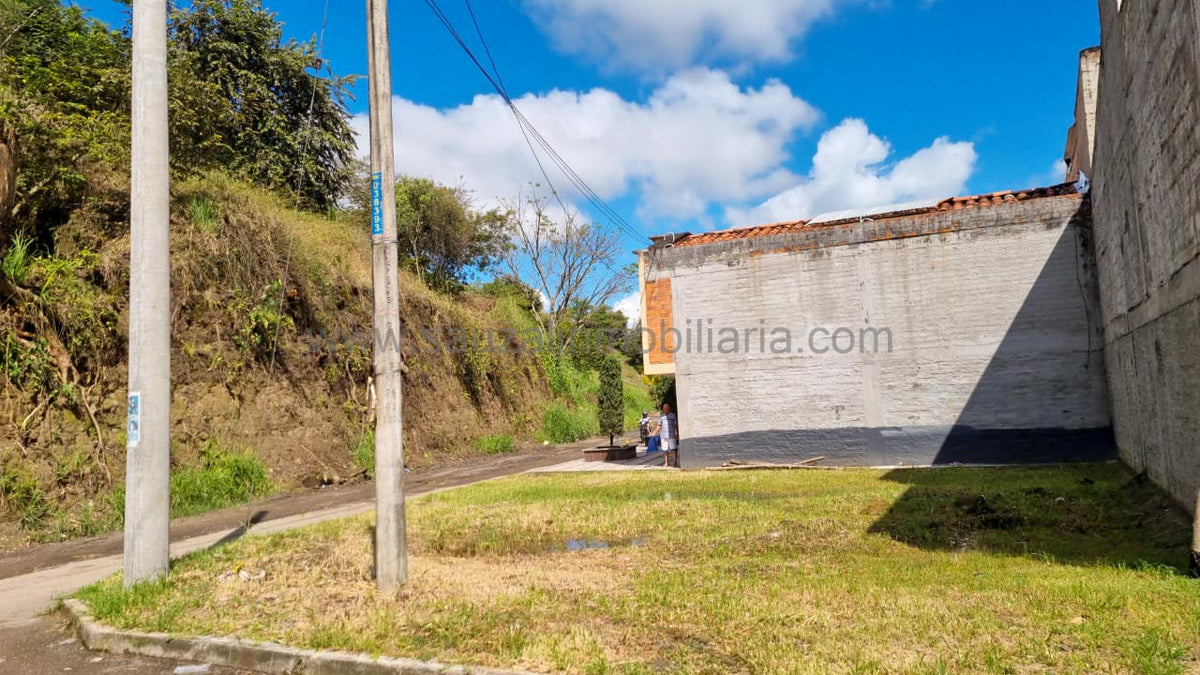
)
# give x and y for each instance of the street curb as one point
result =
(263, 657)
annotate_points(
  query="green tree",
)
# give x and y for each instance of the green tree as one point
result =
(248, 100)
(590, 333)
(509, 286)
(662, 390)
(441, 237)
(242, 99)
(64, 92)
(611, 398)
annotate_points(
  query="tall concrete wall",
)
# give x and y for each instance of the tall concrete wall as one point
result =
(994, 333)
(1146, 192)
(1081, 139)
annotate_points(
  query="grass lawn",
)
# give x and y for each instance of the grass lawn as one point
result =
(1073, 569)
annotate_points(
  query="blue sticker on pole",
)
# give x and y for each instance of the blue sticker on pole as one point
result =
(133, 434)
(376, 203)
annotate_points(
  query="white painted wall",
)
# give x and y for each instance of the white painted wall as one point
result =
(989, 330)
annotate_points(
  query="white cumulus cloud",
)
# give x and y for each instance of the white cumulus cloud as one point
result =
(851, 169)
(698, 140)
(658, 36)
(631, 307)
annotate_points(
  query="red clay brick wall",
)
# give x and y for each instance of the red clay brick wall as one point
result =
(658, 315)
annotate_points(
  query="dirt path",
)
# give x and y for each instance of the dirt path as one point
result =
(31, 578)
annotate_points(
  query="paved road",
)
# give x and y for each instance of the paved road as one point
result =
(31, 579)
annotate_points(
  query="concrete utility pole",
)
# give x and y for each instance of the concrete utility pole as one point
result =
(391, 547)
(148, 437)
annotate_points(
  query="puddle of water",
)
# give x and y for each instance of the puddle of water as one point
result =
(584, 544)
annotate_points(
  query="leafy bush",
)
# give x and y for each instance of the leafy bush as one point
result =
(510, 286)
(28, 366)
(662, 390)
(86, 316)
(265, 322)
(64, 92)
(222, 479)
(243, 97)
(495, 445)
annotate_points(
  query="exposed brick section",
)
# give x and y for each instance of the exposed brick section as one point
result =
(659, 314)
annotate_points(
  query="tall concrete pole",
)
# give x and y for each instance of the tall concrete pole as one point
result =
(148, 437)
(391, 549)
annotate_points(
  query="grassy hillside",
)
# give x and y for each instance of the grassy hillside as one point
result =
(271, 362)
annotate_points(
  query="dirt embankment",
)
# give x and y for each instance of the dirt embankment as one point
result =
(271, 312)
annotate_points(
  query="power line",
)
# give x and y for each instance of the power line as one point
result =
(486, 49)
(529, 131)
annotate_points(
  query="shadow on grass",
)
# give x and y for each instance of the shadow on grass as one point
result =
(1087, 514)
(241, 530)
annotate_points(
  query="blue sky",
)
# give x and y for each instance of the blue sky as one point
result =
(701, 114)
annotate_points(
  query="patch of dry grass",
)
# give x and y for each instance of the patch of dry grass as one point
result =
(963, 570)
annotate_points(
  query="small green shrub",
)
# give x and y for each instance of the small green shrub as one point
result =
(18, 260)
(266, 321)
(28, 366)
(363, 453)
(495, 445)
(564, 425)
(25, 498)
(222, 479)
(86, 315)
(203, 214)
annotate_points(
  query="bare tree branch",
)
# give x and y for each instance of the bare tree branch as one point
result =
(572, 264)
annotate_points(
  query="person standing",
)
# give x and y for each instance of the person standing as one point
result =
(668, 432)
(649, 431)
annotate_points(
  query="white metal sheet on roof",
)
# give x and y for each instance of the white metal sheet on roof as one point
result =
(867, 212)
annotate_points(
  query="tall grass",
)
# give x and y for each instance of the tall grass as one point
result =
(222, 479)
(564, 425)
(495, 445)
(203, 214)
(18, 260)
(363, 452)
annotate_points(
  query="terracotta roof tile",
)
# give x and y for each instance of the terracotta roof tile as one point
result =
(952, 204)
(743, 233)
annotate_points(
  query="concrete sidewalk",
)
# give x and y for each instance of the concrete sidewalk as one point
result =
(643, 462)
